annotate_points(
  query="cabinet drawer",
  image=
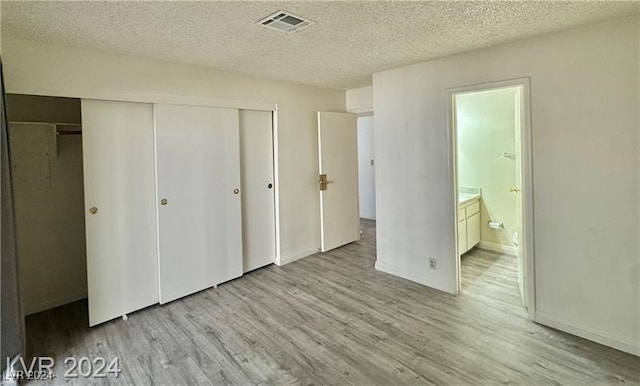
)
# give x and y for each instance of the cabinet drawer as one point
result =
(461, 214)
(473, 209)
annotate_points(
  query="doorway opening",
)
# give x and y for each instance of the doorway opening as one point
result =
(346, 180)
(492, 183)
(366, 168)
(366, 176)
(45, 141)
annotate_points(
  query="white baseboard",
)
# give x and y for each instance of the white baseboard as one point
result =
(289, 259)
(52, 303)
(488, 246)
(586, 332)
(412, 276)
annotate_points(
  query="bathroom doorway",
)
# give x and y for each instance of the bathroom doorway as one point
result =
(492, 182)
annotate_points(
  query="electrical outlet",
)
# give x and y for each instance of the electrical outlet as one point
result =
(432, 263)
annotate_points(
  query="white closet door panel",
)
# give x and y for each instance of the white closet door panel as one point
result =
(198, 169)
(258, 205)
(119, 182)
(338, 160)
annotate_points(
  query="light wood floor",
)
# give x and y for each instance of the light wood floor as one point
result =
(332, 319)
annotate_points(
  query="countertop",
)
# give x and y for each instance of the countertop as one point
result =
(466, 195)
(465, 198)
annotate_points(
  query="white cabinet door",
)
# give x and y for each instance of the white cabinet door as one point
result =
(473, 230)
(122, 271)
(199, 208)
(462, 236)
(258, 206)
(338, 153)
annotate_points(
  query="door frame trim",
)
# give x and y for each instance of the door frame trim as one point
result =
(276, 182)
(527, 237)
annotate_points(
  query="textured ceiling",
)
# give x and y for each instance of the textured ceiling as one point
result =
(349, 42)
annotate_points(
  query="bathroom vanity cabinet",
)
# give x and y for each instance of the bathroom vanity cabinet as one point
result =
(468, 223)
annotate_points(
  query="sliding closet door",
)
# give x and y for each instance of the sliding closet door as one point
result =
(198, 171)
(119, 187)
(258, 205)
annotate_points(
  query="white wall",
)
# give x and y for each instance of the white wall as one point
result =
(486, 129)
(360, 100)
(585, 127)
(42, 69)
(366, 171)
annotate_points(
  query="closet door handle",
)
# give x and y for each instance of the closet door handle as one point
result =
(270, 186)
(93, 210)
(164, 201)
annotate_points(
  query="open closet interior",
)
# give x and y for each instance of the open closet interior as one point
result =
(132, 204)
(46, 149)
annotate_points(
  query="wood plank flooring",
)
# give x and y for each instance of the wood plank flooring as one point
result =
(332, 319)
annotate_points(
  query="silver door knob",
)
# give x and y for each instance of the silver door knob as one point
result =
(93, 210)
(164, 201)
(236, 191)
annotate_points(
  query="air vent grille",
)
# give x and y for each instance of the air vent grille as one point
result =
(286, 22)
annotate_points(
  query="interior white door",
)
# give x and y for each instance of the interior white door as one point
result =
(338, 160)
(199, 206)
(119, 186)
(518, 193)
(258, 205)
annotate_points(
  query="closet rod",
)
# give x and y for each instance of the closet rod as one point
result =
(69, 132)
(56, 124)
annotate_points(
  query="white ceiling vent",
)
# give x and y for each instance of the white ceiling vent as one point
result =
(286, 22)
